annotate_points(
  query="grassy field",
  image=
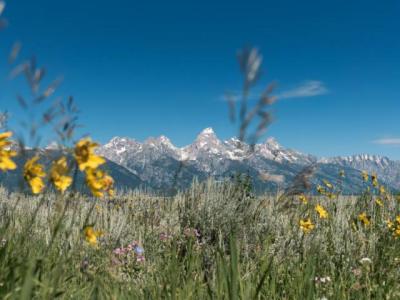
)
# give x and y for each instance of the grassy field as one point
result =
(214, 241)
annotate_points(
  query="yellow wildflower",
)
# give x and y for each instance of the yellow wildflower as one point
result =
(3, 139)
(33, 174)
(382, 189)
(327, 184)
(397, 231)
(5, 154)
(398, 220)
(341, 173)
(94, 180)
(99, 182)
(91, 235)
(364, 219)
(85, 157)
(306, 225)
(303, 199)
(323, 214)
(109, 185)
(365, 176)
(59, 174)
(379, 202)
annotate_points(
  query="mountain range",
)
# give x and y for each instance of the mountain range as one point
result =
(157, 165)
(164, 167)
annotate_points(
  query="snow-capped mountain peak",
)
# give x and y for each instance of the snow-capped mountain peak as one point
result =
(118, 148)
(206, 143)
(209, 156)
(161, 141)
(205, 146)
(166, 141)
(207, 136)
(207, 131)
(358, 158)
(273, 144)
(117, 141)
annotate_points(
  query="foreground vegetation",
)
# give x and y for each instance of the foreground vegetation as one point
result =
(216, 240)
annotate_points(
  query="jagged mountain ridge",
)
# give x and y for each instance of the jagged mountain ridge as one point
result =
(206, 143)
(162, 165)
(388, 170)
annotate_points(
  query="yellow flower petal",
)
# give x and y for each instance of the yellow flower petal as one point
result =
(364, 219)
(323, 214)
(6, 163)
(85, 157)
(59, 174)
(306, 225)
(5, 135)
(37, 185)
(5, 154)
(91, 235)
(33, 174)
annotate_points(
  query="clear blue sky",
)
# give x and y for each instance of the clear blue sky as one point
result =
(146, 68)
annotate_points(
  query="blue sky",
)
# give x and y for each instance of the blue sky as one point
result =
(146, 68)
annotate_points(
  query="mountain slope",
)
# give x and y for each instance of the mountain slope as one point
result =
(163, 166)
(386, 169)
